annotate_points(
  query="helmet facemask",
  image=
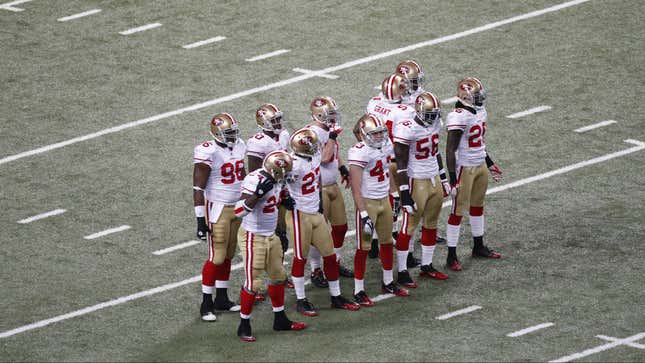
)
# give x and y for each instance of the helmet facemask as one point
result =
(429, 117)
(375, 138)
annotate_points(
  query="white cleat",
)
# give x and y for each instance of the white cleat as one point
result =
(209, 316)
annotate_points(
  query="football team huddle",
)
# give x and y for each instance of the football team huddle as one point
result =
(279, 188)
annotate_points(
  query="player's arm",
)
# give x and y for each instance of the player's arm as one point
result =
(201, 172)
(344, 173)
(442, 175)
(452, 143)
(356, 180)
(248, 200)
(320, 194)
(328, 150)
(401, 154)
(494, 169)
(253, 162)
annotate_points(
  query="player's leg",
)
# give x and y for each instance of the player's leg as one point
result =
(460, 202)
(299, 231)
(225, 237)
(277, 282)
(206, 308)
(410, 222)
(480, 184)
(429, 231)
(253, 249)
(383, 222)
(363, 245)
(315, 262)
(338, 221)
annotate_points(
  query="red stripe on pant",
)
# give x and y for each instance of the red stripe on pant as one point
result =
(387, 256)
(276, 293)
(338, 234)
(246, 302)
(428, 236)
(248, 268)
(330, 267)
(360, 259)
(297, 243)
(359, 230)
(476, 211)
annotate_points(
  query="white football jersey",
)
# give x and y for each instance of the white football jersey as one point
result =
(263, 219)
(303, 183)
(423, 143)
(390, 113)
(375, 162)
(261, 144)
(472, 148)
(328, 171)
(227, 168)
(411, 99)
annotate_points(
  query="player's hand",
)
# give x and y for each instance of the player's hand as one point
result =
(446, 188)
(202, 228)
(344, 176)
(264, 186)
(336, 129)
(396, 204)
(495, 172)
(366, 224)
(407, 203)
(287, 202)
(454, 189)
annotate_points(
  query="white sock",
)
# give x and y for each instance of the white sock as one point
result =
(387, 277)
(221, 284)
(358, 285)
(402, 260)
(452, 235)
(279, 308)
(244, 316)
(477, 226)
(334, 288)
(207, 289)
(299, 286)
(315, 260)
(426, 255)
(411, 246)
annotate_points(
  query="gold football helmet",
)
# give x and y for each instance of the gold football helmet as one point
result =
(428, 108)
(224, 129)
(325, 110)
(373, 131)
(278, 164)
(471, 92)
(304, 142)
(413, 72)
(269, 118)
(395, 88)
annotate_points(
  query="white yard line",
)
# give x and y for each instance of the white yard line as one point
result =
(203, 42)
(80, 15)
(600, 348)
(529, 111)
(595, 126)
(11, 6)
(467, 310)
(612, 339)
(268, 55)
(108, 231)
(292, 80)
(450, 100)
(382, 297)
(176, 247)
(42, 215)
(529, 330)
(307, 71)
(640, 146)
(140, 28)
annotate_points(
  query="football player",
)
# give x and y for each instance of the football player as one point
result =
(468, 166)
(325, 121)
(371, 186)
(261, 248)
(217, 179)
(306, 224)
(389, 106)
(422, 183)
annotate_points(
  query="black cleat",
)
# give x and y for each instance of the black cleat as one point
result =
(394, 289)
(206, 311)
(362, 299)
(226, 305)
(339, 302)
(484, 251)
(304, 307)
(244, 331)
(412, 261)
(441, 240)
(318, 279)
(405, 280)
(282, 323)
(373, 253)
(345, 272)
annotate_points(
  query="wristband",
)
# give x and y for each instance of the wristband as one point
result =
(489, 161)
(364, 214)
(195, 187)
(200, 211)
(404, 188)
(399, 171)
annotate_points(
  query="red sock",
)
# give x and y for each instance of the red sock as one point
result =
(360, 259)
(276, 293)
(476, 211)
(298, 267)
(428, 236)
(338, 234)
(208, 274)
(330, 267)
(387, 256)
(246, 302)
(403, 242)
(227, 270)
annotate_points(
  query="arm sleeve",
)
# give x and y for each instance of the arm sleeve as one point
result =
(254, 147)
(357, 156)
(403, 134)
(202, 154)
(456, 121)
(250, 183)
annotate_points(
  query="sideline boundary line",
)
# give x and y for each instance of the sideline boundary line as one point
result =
(288, 81)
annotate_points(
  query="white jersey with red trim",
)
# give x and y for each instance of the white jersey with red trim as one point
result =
(390, 113)
(423, 143)
(328, 171)
(303, 183)
(263, 219)
(261, 144)
(227, 168)
(375, 162)
(472, 147)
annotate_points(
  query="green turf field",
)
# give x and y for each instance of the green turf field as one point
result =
(572, 241)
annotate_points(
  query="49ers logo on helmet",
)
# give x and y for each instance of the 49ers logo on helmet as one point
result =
(466, 86)
(280, 163)
(318, 102)
(261, 113)
(305, 141)
(218, 122)
(404, 69)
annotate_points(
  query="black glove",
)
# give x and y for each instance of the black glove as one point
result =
(264, 186)
(202, 228)
(367, 224)
(333, 135)
(283, 239)
(288, 202)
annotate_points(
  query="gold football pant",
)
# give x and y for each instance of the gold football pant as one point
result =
(260, 254)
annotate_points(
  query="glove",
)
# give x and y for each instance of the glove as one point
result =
(446, 188)
(283, 239)
(264, 186)
(367, 224)
(406, 200)
(332, 135)
(287, 202)
(495, 172)
(396, 204)
(337, 129)
(344, 175)
(202, 228)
